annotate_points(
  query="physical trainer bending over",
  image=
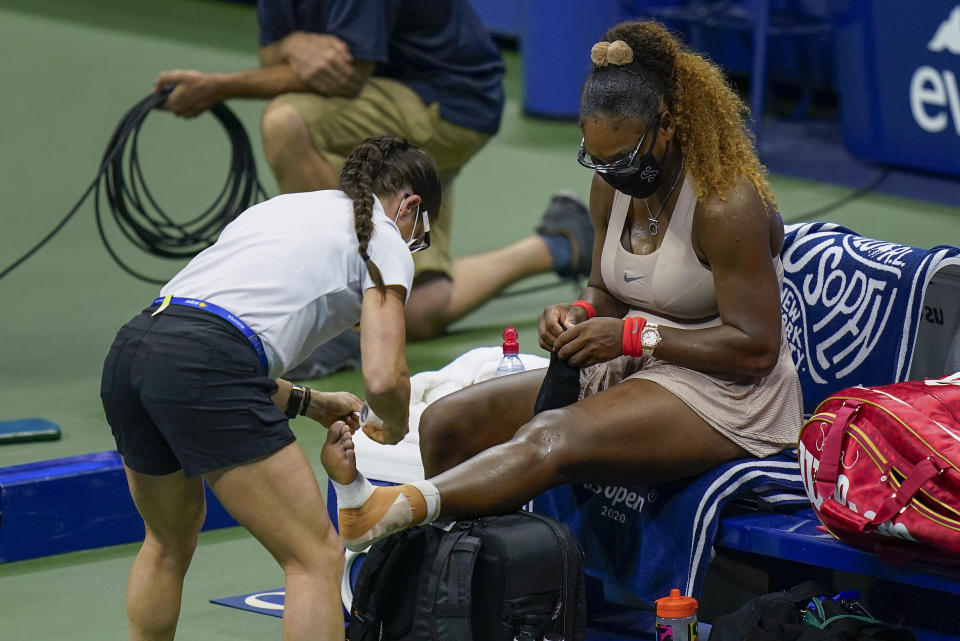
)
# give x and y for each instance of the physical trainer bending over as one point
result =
(191, 394)
(678, 332)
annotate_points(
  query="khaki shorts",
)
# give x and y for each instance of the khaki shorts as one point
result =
(385, 106)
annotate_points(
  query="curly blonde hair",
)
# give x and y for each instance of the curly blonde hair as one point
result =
(711, 119)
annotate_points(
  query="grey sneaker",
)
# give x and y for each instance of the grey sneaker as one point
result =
(340, 353)
(568, 215)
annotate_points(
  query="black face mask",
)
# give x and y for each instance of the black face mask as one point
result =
(645, 180)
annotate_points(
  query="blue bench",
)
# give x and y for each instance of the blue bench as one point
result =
(796, 538)
(762, 551)
(73, 503)
(789, 548)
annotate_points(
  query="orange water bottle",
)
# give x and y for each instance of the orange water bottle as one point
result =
(676, 617)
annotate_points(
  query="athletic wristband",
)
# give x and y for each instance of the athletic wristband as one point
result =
(585, 306)
(294, 401)
(632, 329)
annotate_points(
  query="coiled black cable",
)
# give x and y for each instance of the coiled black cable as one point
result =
(133, 207)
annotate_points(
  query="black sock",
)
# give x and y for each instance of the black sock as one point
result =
(560, 387)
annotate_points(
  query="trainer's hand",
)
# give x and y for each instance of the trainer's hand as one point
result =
(320, 60)
(193, 92)
(328, 407)
(592, 341)
(552, 321)
(383, 433)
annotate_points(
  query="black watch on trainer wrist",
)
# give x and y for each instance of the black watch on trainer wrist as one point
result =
(294, 401)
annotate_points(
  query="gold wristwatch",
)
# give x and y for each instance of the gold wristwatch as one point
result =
(650, 338)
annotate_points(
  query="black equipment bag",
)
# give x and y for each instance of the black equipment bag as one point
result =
(785, 616)
(517, 576)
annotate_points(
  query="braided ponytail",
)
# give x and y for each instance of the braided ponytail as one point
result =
(356, 182)
(383, 166)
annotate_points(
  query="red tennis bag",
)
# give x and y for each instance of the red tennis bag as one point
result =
(881, 466)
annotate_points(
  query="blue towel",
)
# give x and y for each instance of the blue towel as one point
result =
(649, 540)
(851, 306)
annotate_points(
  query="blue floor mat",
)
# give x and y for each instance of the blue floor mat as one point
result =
(269, 602)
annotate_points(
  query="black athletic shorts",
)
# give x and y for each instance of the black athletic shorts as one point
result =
(185, 389)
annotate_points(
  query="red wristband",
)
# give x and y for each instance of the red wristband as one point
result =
(585, 306)
(632, 329)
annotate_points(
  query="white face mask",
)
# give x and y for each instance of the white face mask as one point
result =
(421, 242)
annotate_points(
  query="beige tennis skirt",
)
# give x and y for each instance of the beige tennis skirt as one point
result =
(763, 416)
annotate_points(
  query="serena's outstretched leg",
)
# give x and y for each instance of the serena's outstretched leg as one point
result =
(634, 432)
(337, 454)
(367, 513)
(452, 430)
(465, 423)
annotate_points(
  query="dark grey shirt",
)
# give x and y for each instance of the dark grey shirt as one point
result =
(438, 48)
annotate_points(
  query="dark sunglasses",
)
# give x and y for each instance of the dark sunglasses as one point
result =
(624, 166)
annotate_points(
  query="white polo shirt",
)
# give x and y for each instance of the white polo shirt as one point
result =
(289, 268)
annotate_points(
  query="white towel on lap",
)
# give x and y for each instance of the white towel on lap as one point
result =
(401, 462)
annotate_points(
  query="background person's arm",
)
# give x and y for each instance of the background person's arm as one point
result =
(271, 54)
(195, 92)
(323, 63)
(299, 62)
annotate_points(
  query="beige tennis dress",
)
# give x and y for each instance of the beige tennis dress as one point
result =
(761, 415)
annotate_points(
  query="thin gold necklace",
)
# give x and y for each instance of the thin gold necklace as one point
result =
(654, 226)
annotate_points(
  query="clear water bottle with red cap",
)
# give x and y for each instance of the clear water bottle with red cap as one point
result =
(676, 617)
(510, 362)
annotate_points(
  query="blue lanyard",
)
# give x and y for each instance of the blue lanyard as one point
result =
(166, 301)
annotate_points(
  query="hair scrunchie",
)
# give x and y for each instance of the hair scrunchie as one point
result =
(606, 53)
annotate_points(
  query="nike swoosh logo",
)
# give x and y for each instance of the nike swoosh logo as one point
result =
(630, 279)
